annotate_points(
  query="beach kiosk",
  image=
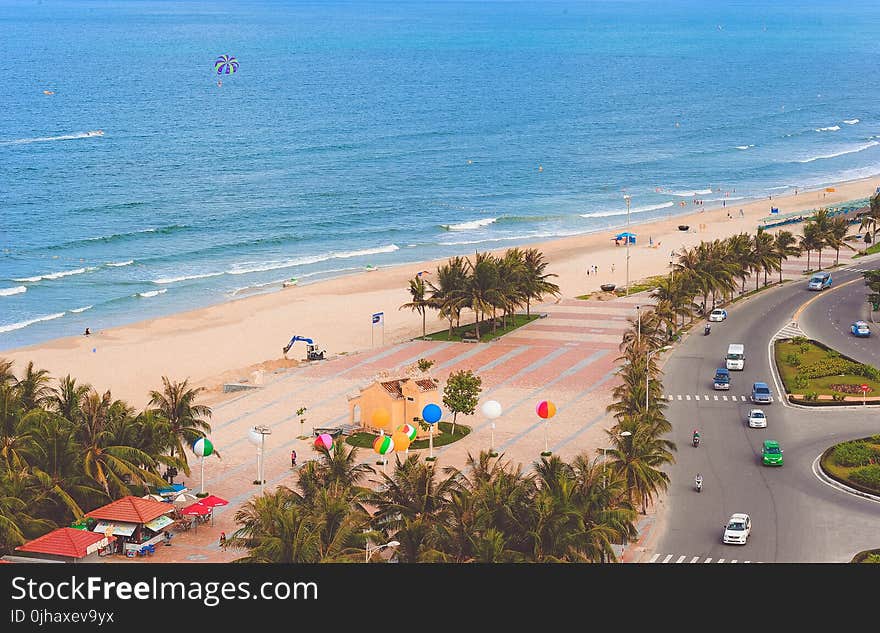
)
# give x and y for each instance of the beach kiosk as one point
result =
(66, 545)
(401, 396)
(623, 237)
(139, 524)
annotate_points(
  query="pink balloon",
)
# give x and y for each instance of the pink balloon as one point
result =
(325, 441)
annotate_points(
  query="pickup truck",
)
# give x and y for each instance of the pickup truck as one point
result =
(722, 378)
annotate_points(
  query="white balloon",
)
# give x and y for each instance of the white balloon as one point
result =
(255, 437)
(491, 409)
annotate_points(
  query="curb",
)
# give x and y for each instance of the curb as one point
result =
(833, 483)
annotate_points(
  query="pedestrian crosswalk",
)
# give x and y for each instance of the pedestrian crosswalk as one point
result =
(789, 331)
(687, 397)
(687, 558)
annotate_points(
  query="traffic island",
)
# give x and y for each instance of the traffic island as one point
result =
(855, 463)
(816, 375)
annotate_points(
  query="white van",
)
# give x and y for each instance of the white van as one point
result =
(736, 356)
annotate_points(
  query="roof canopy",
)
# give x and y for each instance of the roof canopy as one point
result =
(131, 510)
(65, 541)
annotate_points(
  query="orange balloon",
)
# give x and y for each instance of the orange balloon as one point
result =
(381, 418)
(401, 441)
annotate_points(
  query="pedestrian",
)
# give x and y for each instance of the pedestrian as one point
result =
(292, 458)
(741, 214)
(728, 215)
(222, 539)
(167, 539)
(595, 269)
(724, 203)
(612, 267)
(588, 270)
(88, 332)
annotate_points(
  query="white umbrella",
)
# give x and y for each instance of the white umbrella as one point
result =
(184, 499)
(154, 497)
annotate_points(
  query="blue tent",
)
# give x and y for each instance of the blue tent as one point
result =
(626, 235)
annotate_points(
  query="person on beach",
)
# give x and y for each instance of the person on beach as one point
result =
(588, 270)
(728, 215)
(741, 214)
(612, 267)
(87, 332)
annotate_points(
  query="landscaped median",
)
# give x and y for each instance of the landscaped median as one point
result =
(855, 463)
(468, 331)
(364, 439)
(815, 374)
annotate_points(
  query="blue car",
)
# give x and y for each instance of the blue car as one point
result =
(860, 329)
(761, 393)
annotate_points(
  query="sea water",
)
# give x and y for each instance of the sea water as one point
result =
(363, 134)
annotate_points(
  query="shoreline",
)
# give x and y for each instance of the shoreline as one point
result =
(220, 342)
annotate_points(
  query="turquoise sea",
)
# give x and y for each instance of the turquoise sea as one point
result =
(371, 133)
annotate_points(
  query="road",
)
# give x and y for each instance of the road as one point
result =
(828, 318)
(795, 516)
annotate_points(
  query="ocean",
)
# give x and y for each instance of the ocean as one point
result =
(364, 133)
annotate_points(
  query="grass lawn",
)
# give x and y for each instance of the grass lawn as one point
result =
(637, 286)
(842, 472)
(821, 386)
(486, 333)
(365, 440)
(873, 248)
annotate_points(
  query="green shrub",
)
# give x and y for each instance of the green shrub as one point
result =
(811, 396)
(828, 367)
(793, 359)
(868, 476)
(871, 558)
(855, 453)
(800, 381)
(799, 340)
(838, 396)
(804, 348)
(832, 353)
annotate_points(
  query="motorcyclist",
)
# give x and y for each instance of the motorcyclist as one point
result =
(696, 437)
(707, 329)
(698, 481)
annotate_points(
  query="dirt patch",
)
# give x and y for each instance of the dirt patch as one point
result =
(214, 386)
(603, 296)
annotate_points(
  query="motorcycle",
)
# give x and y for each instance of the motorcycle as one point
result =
(696, 441)
(707, 329)
(698, 482)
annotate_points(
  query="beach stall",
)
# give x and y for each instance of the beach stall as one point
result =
(139, 524)
(623, 237)
(67, 545)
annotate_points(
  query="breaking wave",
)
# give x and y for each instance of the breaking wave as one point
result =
(852, 150)
(466, 226)
(23, 324)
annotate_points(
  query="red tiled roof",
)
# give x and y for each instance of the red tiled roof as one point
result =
(393, 387)
(131, 510)
(64, 541)
(428, 384)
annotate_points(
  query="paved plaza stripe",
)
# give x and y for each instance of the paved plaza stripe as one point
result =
(668, 556)
(599, 417)
(503, 359)
(654, 558)
(680, 559)
(479, 348)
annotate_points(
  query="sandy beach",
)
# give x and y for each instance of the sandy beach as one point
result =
(225, 342)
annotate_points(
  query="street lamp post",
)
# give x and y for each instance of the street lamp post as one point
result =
(647, 373)
(372, 549)
(627, 198)
(605, 454)
(257, 436)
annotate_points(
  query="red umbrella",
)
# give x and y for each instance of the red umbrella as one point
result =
(212, 501)
(196, 508)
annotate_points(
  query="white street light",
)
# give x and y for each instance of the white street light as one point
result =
(647, 373)
(605, 454)
(627, 198)
(257, 437)
(492, 409)
(372, 549)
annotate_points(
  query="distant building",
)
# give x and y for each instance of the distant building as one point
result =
(402, 396)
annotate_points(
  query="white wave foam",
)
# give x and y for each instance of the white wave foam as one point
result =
(118, 264)
(744, 146)
(59, 275)
(532, 236)
(852, 150)
(151, 293)
(244, 269)
(171, 280)
(467, 226)
(691, 194)
(23, 324)
(8, 292)
(606, 214)
(278, 282)
(832, 128)
(64, 137)
(850, 121)
(78, 310)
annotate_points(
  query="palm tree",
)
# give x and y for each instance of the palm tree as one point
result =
(448, 295)
(638, 458)
(33, 387)
(7, 377)
(765, 258)
(482, 287)
(419, 301)
(275, 528)
(870, 219)
(176, 404)
(785, 246)
(67, 396)
(536, 282)
(339, 467)
(836, 236)
(810, 240)
(822, 220)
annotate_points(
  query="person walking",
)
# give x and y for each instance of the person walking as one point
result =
(292, 458)
(222, 539)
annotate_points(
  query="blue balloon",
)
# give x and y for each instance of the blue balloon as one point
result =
(431, 413)
(94, 349)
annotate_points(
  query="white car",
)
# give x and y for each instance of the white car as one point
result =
(757, 419)
(718, 314)
(737, 529)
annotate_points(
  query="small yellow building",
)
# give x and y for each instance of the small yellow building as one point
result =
(402, 396)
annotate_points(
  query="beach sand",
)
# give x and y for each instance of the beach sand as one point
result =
(226, 342)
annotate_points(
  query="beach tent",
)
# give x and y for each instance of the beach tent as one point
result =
(212, 501)
(626, 235)
(774, 209)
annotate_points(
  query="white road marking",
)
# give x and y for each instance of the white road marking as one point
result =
(720, 560)
(688, 397)
(716, 397)
(680, 558)
(679, 397)
(708, 560)
(743, 398)
(666, 560)
(654, 558)
(724, 398)
(695, 559)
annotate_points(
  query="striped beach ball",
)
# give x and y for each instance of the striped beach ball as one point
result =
(383, 444)
(409, 430)
(545, 409)
(203, 447)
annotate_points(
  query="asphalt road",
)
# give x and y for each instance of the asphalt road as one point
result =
(829, 316)
(795, 516)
